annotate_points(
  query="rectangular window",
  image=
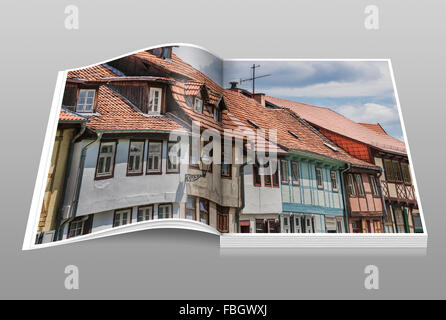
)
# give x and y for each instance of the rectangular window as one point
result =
(85, 100)
(255, 175)
(406, 173)
(198, 105)
(267, 178)
(136, 153)
(295, 175)
(165, 211)
(334, 181)
(374, 186)
(351, 185)
(276, 177)
(155, 100)
(122, 217)
(396, 171)
(359, 185)
(388, 169)
(284, 171)
(173, 157)
(145, 213)
(217, 114)
(319, 178)
(154, 157)
(222, 219)
(226, 168)
(106, 160)
(204, 211)
(260, 226)
(191, 205)
(76, 228)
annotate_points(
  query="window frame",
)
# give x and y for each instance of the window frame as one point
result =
(287, 181)
(405, 172)
(295, 182)
(141, 171)
(352, 190)
(203, 200)
(145, 207)
(275, 178)
(119, 211)
(160, 101)
(93, 105)
(222, 219)
(229, 165)
(397, 174)
(177, 169)
(333, 188)
(321, 170)
(360, 186)
(388, 170)
(196, 99)
(165, 205)
(256, 176)
(70, 228)
(194, 198)
(374, 186)
(110, 174)
(160, 160)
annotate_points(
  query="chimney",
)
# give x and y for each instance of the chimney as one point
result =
(260, 98)
(233, 85)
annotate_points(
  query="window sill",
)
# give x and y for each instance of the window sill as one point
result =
(103, 177)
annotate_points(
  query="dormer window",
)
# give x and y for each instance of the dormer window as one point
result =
(155, 100)
(217, 114)
(198, 104)
(85, 100)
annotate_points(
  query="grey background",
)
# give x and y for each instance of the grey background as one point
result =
(182, 264)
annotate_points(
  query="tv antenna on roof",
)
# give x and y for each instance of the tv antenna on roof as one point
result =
(253, 79)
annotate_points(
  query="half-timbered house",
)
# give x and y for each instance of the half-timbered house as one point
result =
(372, 144)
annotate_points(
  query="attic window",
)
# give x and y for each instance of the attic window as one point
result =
(85, 100)
(155, 100)
(293, 134)
(255, 125)
(198, 104)
(331, 147)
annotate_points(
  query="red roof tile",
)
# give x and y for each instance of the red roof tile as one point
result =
(288, 126)
(91, 73)
(372, 126)
(333, 121)
(116, 113)
(65, 115)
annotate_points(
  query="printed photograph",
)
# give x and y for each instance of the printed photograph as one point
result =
(174, 136)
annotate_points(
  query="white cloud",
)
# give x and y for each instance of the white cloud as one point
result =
(370, 113)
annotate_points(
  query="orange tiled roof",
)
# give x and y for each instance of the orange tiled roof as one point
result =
(91, 73)
(288, 126)
(65, 115)
(333, 121)
(178, 66)
(117, 113)
(372, 126)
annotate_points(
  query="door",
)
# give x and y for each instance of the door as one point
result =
(297, 219)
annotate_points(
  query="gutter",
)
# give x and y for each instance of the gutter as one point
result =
(67, 173)
(344, 193)
(242, 195)
(78, 183)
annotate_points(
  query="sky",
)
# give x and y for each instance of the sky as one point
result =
(359, 90)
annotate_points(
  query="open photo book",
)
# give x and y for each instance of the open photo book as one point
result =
(264, 153)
